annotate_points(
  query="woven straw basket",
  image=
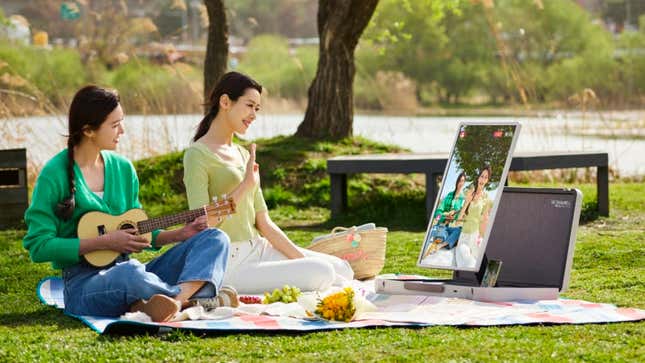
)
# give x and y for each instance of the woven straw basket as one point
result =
(363, 249)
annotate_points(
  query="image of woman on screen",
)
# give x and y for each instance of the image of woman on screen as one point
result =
(444, 233)
(474, 216)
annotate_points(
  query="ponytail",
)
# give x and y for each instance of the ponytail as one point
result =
(206, 122)
(454, 193)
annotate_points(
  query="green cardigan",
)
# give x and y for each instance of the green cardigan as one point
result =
(51, 239)
(449, 203)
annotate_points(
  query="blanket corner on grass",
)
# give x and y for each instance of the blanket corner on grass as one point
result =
(392, 310)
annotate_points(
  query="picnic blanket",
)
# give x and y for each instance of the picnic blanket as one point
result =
(391, 310)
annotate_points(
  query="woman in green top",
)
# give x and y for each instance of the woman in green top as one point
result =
(262, 257)
(446, 213)
(88, 176)
(474, 216)
(452, 203)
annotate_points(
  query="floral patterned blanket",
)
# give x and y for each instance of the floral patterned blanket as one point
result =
(387, 310)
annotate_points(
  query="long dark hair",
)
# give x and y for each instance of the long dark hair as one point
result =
(454, 191)
(232, 84)
(461, 175)
(476, 182)
(89, 109)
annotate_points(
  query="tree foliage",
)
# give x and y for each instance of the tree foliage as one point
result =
(481, 146)
(412, 38)
(282, 72)
(456, 49)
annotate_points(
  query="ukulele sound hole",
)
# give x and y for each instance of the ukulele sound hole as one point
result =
(126, 225)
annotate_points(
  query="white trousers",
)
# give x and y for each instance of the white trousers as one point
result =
(467, 250)
(255, 266)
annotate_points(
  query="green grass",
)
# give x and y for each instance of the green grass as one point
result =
(609, 266)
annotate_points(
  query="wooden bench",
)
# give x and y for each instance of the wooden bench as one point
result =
(433, 165)
(13, 187)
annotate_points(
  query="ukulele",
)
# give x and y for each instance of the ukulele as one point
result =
(94, 224)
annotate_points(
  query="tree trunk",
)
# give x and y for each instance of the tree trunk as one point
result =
(217, 45)
(330, 104)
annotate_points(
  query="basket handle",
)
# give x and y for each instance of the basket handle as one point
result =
(342, 229)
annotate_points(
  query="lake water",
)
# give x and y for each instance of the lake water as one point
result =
(152, 135)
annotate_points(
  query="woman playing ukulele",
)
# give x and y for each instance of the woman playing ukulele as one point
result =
(89, 176)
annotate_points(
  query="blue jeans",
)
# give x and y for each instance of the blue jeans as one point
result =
(453, 236)
(111, 291)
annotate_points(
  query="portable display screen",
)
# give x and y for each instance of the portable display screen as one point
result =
(472, 183)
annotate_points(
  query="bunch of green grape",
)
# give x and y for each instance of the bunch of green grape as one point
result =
(287, 294)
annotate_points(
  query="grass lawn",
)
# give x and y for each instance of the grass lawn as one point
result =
(609, 266)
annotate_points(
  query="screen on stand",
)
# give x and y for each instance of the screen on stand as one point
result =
(470, 190)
